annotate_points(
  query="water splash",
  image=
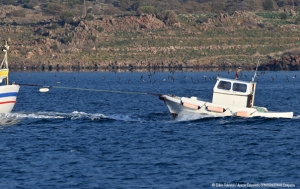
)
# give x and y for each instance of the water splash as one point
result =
(75, 115)
(189, 116)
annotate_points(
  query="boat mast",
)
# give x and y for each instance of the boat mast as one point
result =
(5, 62)
(255, 73)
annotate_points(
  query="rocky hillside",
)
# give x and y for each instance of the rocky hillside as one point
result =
(41, 41)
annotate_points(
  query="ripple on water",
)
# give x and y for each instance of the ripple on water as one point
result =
(80, 139)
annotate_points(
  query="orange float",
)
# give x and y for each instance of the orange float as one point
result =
(215, 109)
(192, 106)
(242, 114)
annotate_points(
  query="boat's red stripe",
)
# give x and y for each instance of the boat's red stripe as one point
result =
(6, 102)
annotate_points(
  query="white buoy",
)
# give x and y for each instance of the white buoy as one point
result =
(44, 90)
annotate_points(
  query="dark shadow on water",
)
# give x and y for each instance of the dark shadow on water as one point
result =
(125, 69)
(8, 121)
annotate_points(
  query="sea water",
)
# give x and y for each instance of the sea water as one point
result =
(86, 134)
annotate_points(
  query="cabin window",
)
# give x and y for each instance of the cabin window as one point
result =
(225, 85)
(239, 87)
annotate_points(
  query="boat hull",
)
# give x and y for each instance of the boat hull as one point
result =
(8, 97)
(178, 105)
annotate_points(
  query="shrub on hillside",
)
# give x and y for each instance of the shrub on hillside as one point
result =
(125, 4)
(146, 10)
(100, 29)
(268, 5)
(72, 3)
(261, 25)
(54, 26)
(283, 16)
(28, 5)
(67, 39)
(93, 38)
(54, 47)
(134, 6)
(67, 17)
(54, 9)
(169, 17)
(89, 17)
(297, 20)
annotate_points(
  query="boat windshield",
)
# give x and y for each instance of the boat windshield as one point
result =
(239, 87)
(225, 85)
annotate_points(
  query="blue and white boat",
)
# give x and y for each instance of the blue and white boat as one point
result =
(8, 92)
(231, 97)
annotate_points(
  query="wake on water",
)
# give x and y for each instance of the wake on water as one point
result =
(189, 116)
(13, 118)
(76, 115)
(71, 116)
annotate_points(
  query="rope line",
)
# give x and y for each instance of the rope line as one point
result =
(86, 89)
(98, 90)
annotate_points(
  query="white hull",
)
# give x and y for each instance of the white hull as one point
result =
(178, 105)
(8, 97)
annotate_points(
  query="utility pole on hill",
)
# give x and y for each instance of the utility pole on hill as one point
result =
(84, 4)
(293, 5)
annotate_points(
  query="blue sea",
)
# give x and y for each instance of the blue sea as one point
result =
(102, 130)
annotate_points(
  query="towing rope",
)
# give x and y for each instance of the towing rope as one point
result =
(98, 90)
(87, 89)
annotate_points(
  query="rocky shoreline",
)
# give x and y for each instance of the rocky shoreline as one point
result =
(286, 63)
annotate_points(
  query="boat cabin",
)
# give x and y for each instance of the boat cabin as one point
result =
(4, 65)
(3, 76)
(234, 92)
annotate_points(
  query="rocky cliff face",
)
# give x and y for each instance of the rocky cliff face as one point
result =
(37, 44)
(111, 42)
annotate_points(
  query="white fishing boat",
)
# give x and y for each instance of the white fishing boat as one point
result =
(231, 97)
(8, 92)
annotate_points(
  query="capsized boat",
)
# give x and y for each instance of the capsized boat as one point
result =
(231, 97)
(8, 92)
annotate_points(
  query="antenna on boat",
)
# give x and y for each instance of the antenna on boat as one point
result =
(255, 73)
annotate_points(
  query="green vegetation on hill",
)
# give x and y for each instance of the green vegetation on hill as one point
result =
(121, 33)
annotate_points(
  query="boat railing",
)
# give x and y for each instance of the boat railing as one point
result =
(4, 65)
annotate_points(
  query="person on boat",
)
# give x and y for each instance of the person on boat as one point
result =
(237, 72)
